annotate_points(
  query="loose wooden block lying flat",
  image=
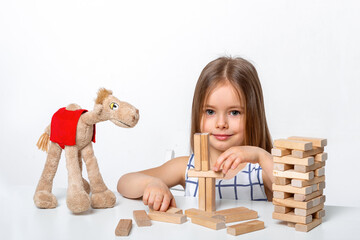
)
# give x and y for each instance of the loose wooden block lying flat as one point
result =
(302, 197)
(123, 228)
(209, 222)
(193, 212)
(279, 152)
(303, 183)
(316, 142)
(303, 154)
(240, 216)
(290, 189)
(293, 174)
(208, 174)
(321, 157)
(170, 210)
(293, 144)
(291, 217)
(309, 226)
(141, 218)
(293, 160)
(167, 217)
(282, 181)
(245, 227)
(231, 210)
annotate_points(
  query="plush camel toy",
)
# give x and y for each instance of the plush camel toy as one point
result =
(73, 129)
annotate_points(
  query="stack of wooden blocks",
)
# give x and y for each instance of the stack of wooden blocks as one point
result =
(299, 173)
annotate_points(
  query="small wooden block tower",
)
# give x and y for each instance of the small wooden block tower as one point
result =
(299, 173)
(202, 170)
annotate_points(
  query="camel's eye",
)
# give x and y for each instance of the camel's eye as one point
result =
(114, 106)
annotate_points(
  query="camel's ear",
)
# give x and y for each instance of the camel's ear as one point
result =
(98, 109)
(102, 95)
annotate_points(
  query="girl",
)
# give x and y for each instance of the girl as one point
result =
(228, 104)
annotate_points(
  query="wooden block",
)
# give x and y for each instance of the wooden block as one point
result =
(231, 210)
(202, 194)
(245, 227)
(320, 172)
(240, 216)
(290, 202)
(319, 214)
(210, 195)
(282, 181)
(320, 186)
(292, 174)
(141, 218)
(197, 151)
(306, 212)
(207, 174)
(279, 152)
(309, 226)
(291, 217)
(295, 161)
(282, 166)
(304, 169)
(290, 189)
(193, 212)
(209, 222)
(170, 210)
(293, 144)
(303, 183)
(221, 217)
(167, 217)
(304, 154)
(282, 195)
(205, 165)
(316, 142)
(290, 224)
(302, 197)
(321, 157)
(123, 228)
(282, 209)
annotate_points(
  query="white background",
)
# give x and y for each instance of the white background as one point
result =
(150, 53)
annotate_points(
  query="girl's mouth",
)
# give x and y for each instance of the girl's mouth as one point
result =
(221, 137)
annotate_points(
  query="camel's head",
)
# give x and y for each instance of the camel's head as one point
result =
(108, 107)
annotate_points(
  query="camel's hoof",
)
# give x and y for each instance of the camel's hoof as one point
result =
(78, 202)
(45, 199)
(104, 199)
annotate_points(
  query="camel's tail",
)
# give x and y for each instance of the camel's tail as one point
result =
(43, 142)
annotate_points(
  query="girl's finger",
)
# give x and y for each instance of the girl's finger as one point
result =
(165, 203)
(221, 159)
(228, 162)
(151, 200)
(146, 198)
(158, 201)
(236, 163)
(173, 203)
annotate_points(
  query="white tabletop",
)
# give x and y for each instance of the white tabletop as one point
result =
(20, 219)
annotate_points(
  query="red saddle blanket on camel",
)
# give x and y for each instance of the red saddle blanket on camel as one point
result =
(63, 127)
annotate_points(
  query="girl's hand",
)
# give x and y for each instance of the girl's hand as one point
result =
(158, 196)
(232, 157)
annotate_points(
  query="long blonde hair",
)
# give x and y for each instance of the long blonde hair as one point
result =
(243, 76)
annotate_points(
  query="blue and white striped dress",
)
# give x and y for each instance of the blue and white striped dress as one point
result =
(246, 185)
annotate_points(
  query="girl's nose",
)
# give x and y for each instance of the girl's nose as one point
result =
(221, 123)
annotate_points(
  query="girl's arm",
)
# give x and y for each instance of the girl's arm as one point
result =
(232, 157)
(153, 184)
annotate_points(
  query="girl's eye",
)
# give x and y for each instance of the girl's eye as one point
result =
(234, 113)
(209, 112)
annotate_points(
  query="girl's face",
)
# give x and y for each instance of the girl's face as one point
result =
(223, 117)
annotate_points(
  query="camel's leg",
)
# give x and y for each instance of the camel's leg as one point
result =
(43, 197)
(101, 196)
(77, 199)
(85, 183)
